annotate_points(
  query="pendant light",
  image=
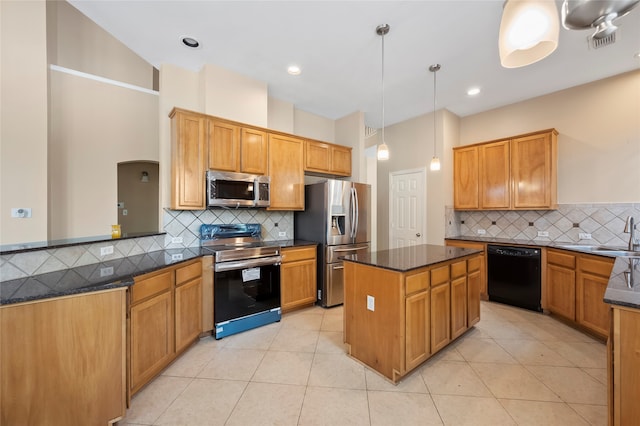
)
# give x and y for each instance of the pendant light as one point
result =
(435, 161)
(529, 32)
(383, 149)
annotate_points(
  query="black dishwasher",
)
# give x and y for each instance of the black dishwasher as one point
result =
(513, 276)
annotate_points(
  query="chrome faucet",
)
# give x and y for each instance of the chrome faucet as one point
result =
(629, 228)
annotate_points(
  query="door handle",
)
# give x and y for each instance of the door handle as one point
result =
(418, 234)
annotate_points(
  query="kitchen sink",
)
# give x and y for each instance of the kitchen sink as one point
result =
(610, 250)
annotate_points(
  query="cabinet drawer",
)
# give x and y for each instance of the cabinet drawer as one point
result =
(147, 287)
(292, 255)
(563, 259)
(189, 272)
(474, 264)
(458, 269)
(596, 265)
(439, 275)
(417, 282)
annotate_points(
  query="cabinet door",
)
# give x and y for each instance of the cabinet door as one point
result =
(152, 339)
(297, 284)
(465, 178)
(626, 366)
(533, 171)
(253, 152)
(591, 310)
(317, 157)
(440, 317)
(561, 291)
(458, 306)
(286, 172)
(481, 262)
(188, 301)
(340, 160)
(494, 175)
(188, 157)
(417, 329)
(474, 286)
(224, 146)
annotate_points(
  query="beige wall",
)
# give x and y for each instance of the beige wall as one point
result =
(280, 115)
(313, 126)
(349, 131)
(598, 142)
(24, 120)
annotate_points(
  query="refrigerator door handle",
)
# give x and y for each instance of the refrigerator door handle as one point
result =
(356, 213)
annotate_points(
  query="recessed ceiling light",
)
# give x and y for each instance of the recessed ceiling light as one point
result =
(190, 42)
(294, 70)
(473, 91)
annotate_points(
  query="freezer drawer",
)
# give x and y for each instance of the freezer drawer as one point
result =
(334, 252)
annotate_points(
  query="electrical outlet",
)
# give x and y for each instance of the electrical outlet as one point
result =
(105, 272)
(371, 303)
(481, 231)
(106, 250)
(282, 234)
(176, 240)
(584, 236)
(543, 234)
(176, 256)
(125, 212)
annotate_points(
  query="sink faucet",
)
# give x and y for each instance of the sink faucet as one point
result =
(630, 228)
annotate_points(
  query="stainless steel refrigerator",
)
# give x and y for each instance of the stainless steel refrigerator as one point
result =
(337, 217)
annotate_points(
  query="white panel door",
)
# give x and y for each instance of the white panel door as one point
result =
(407, 212)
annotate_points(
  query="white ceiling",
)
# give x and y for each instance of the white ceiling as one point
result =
(335, 44)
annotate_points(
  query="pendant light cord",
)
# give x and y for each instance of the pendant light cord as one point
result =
(383, 139)
(435, 71)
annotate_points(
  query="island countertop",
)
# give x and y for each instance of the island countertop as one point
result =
(409, 258)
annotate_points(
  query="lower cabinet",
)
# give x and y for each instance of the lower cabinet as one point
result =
(561, 283)
(298, 278)
(480, 263)
(165, 317)
(458, 298)
(418, 346)
(624, 367)
(474, 288)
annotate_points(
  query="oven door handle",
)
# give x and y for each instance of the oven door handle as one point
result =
(248, 263)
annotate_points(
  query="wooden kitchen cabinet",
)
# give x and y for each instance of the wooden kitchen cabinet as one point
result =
(466, 185)
(188, 304)
(298, 278)
(458, 298)
(286, 169)
(188, 160)
(63, 360)
(474, 288)
(481, 263)
(591, 283)
(326, 158)
(417, 329)
(519, 173)
(561, 283)
(254, 153)
(234, 148)
(624, 366)
(440, 308)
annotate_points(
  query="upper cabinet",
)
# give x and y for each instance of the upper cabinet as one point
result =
(234, 148)
(519, 173)
(188, 157)
(326, 158)
(286, 156)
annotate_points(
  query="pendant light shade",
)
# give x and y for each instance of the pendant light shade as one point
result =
(528, 32)
(435, 161)
(383, 149)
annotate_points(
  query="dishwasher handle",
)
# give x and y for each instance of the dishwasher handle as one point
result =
(513, 251)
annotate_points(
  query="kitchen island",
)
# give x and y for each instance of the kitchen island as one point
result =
(404, 305)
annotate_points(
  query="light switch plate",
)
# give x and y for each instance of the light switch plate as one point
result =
(371, 303)
(176, 240)
(282, 234)
(543, 234)
(482, 231)
(106, 250)
(584, 236)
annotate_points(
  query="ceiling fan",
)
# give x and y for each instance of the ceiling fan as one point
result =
(597, 14)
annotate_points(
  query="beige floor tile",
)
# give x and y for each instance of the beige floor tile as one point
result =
(302, 320)
(600, 374)
(332, 323)
(232, 364)
(331, 342)
(290, 368)
(295, 340)
(336, 371)
(153, 400)
(536, 413)
(513, 382)
(450, 352)
(204, 402)
(335, 310)
(194, 359)
(412, 383)
(484, 350)
(596, 415)
(257, 338)
(453, 378)
(540, 330)
(477, 333)
(399, 408)
(563, 332)
(331, 406)
(510, 313)
(572, 384)
(471, 411)
(532, 352)
(268, 404)
(581, 354)
(503, 330)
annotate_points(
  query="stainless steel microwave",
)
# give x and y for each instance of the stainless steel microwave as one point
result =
(228, 189)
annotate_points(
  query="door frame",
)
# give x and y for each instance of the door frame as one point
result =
(422, 170)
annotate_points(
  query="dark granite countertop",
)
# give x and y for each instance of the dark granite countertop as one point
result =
(408, 258)
(102, 276)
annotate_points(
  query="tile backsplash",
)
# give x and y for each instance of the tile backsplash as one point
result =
(604, 222)
(176, 223)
